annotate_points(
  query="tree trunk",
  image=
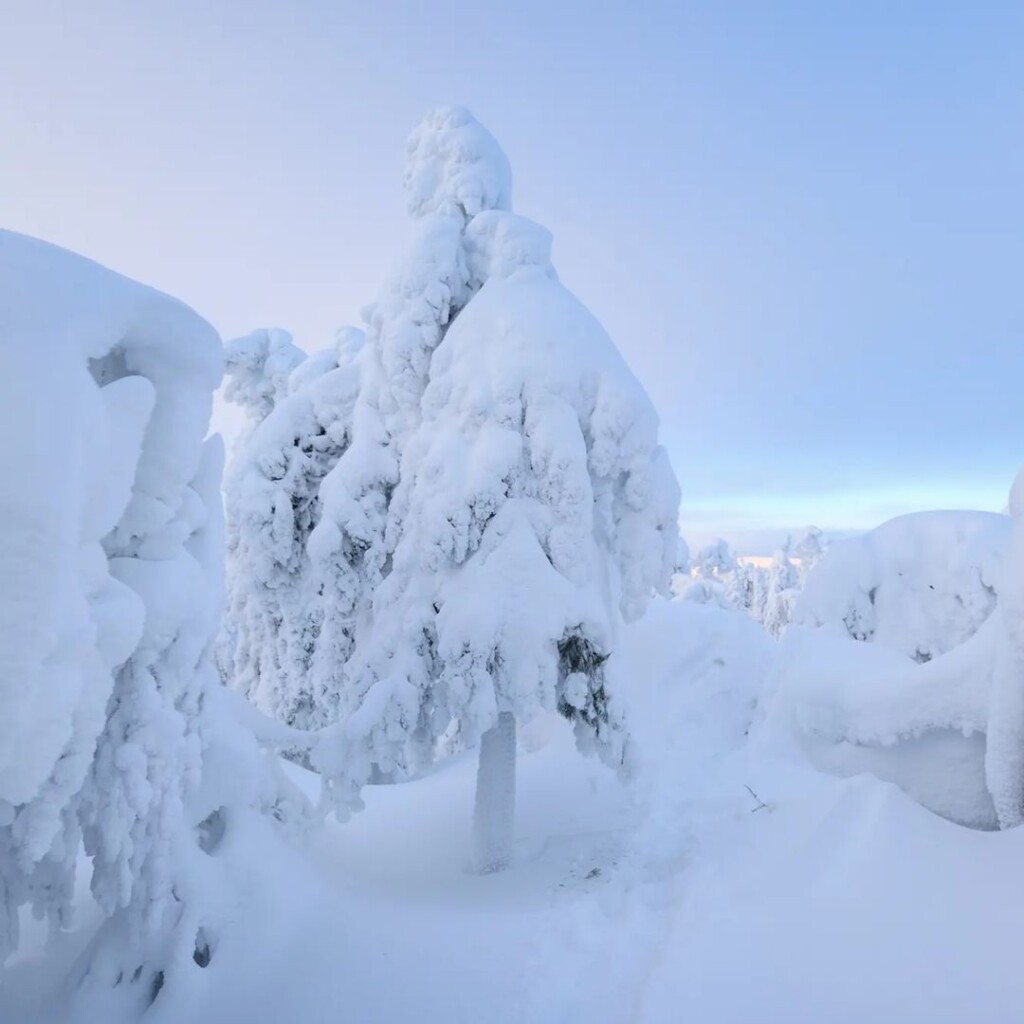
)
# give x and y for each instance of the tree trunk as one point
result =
(494, 812)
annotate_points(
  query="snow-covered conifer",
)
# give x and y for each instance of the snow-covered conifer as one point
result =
(808, 549)
(704, 591)
(257, 368)
(780, 588)
(741, 585)
(281, 605)
(528, 505)
(714, 561)
(111, 560)
(920, 584)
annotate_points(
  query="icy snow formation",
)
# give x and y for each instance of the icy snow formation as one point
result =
(111, 561)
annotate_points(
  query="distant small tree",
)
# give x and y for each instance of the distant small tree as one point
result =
(780, 587)
(714, 561)
(742, 586)
(257, 368)
(808, 549)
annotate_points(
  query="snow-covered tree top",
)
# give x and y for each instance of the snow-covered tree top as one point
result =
(257, 369)
(455, 166)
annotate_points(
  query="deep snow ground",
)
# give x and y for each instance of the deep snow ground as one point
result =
(678, 898)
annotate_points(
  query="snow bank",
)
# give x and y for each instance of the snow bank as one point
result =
(454, 165)
(920, 584)
(935, 702)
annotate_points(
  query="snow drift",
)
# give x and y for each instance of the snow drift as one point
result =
(907, 663)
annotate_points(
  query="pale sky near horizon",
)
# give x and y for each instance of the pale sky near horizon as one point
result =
(802, 223)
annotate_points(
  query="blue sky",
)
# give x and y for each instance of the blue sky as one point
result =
(803, 223)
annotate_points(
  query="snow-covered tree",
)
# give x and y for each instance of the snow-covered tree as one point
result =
(714, 561)
(280, 603)
(454, 170)
(808, 549)
(780, 589)
(510, 496)
(741, 585)
(257, 370)
(111, 560)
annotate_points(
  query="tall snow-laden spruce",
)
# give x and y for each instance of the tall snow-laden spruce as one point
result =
(279, 602)
(309, 490)
(454, 171)
(111, 558)
(510, 495)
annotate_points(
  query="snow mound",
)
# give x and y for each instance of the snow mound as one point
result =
(919, 584)
(948, 726)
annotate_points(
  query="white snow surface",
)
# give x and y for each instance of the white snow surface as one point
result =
(681, 896)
